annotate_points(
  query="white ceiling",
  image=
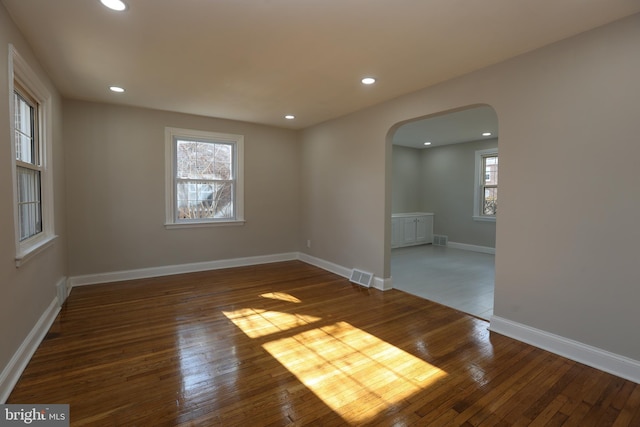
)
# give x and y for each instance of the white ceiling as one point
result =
(451, 128)
(257, 60)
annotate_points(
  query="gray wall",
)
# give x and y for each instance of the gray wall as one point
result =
(568, 127)
(26, 292)
(441, 180)
(448, 174)
(116, 191)
(407, 180)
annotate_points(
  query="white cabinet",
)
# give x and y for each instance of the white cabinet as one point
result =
(411, 229)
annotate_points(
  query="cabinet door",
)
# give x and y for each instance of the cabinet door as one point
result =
(424, 229)
(421, 229)
(409, 230)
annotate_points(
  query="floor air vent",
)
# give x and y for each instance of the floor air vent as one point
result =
(439, 240)
(361, 277)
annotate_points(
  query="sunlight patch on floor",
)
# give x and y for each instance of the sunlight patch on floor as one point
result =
(258, 323)
(281, 296)
(355, 373)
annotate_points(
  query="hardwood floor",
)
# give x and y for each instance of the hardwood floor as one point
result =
(291, 344)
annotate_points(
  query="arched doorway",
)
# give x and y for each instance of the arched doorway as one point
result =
(451, 183)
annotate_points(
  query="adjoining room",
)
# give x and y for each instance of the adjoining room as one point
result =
(444, 204)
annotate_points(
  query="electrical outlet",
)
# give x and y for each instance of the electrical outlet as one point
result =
(309, 243)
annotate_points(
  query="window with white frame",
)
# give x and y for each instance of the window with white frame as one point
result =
(30, 109)
(486, 185)
(204, 183)
(28, 164)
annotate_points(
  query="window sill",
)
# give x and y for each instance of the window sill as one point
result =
(230, 223)
(484, 218)
(29, 253)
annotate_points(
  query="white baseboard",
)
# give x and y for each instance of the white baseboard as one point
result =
(145, 273)
(325, 265)
(603, 360)
(11, 373)
(474, 248)
(383, 284)
(378, 283)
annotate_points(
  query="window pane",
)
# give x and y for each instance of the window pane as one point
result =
(204, 199)
(203, 160)
(490, 166)
(490, 201)
(25, 130)
(29, 205)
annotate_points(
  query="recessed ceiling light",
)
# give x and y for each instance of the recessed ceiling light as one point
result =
(368, 80)
(289, 117)
(118, 5)
(427, 143)
(116, 89)
(486, 134)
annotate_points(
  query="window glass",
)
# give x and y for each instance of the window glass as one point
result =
(204, 180)
(29, 205)
(485, 197)
(27, 168)
(490, 186)
(204, 183)
(25, 139)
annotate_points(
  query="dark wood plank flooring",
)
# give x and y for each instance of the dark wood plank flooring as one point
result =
(291, 344)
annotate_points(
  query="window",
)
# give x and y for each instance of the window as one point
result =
(28, 165)
(486, 185)
(204, 178)
(30, 107)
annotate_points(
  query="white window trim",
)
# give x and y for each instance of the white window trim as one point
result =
(170, 155)
(477, 185)
(20, 71)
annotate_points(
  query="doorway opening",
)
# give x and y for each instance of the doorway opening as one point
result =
(445, 170)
